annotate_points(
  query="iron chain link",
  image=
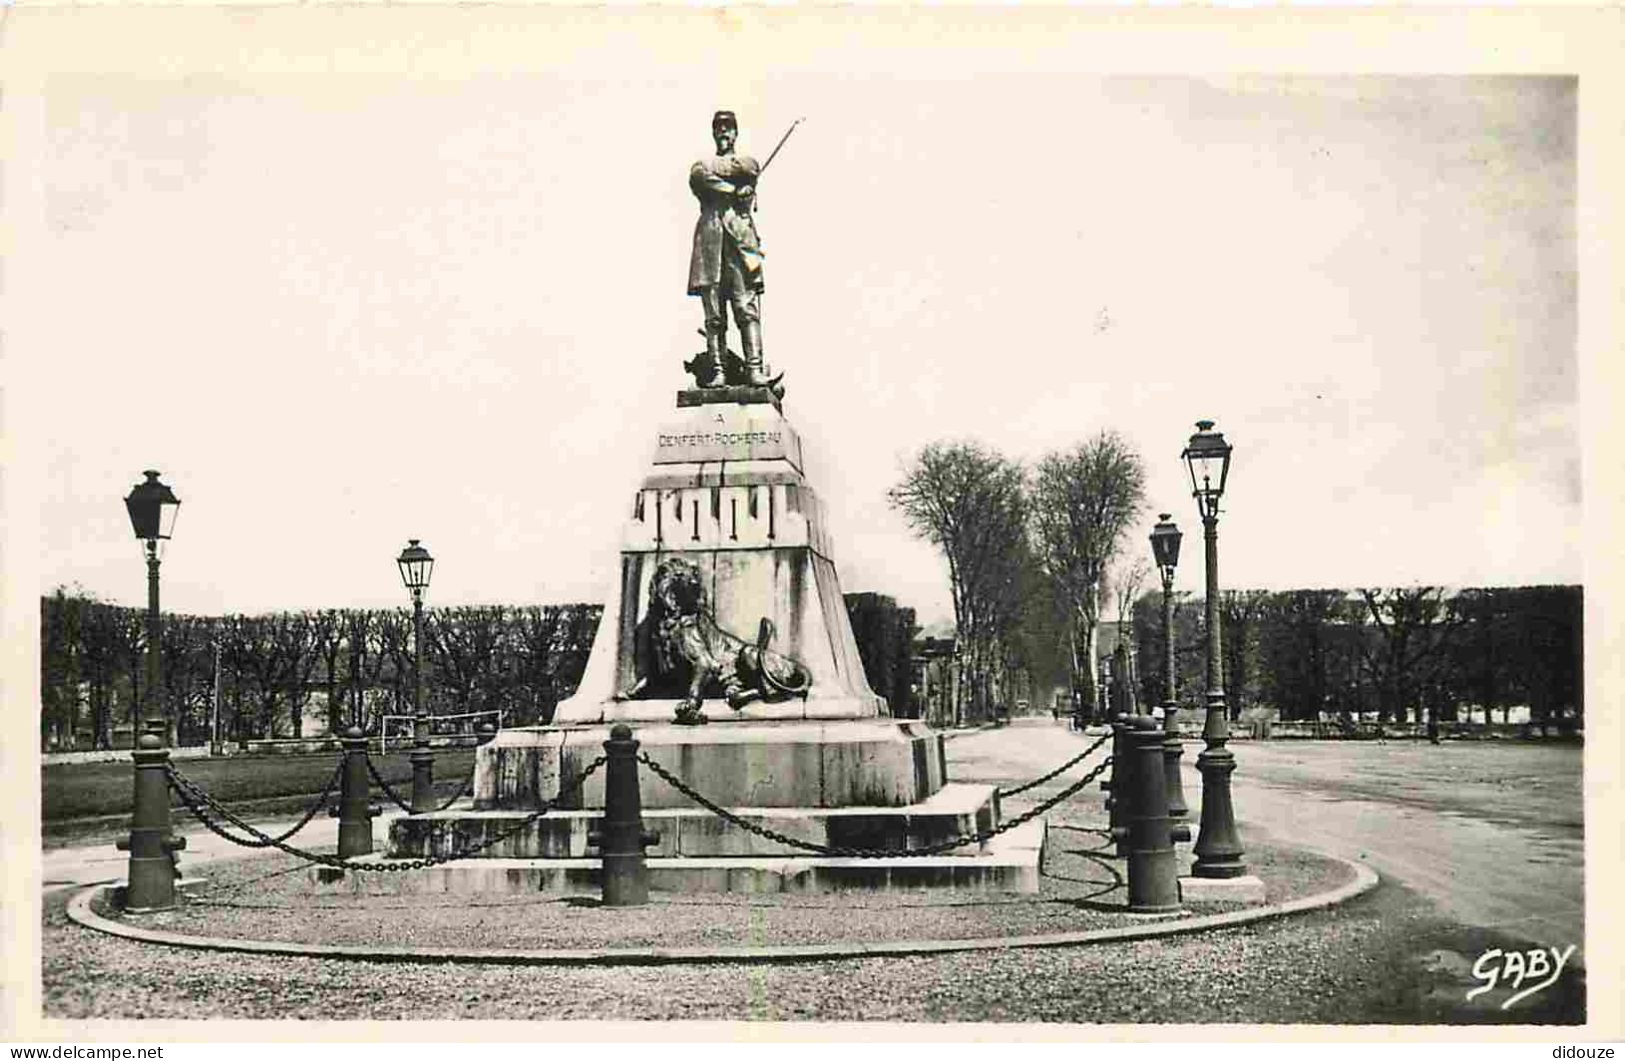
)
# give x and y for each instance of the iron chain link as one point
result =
(963, 840)
(467, 789)
(378, 778)
(1069, 764)
(184, 783)
(199, 803)
(395, 798)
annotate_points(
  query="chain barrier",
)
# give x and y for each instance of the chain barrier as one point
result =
(378, 779)
(181, 783)
(1069, 764)
(200, 803)
(962, 840)
(395, 798)
(468, 787)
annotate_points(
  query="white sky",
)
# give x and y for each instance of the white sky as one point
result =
(338, 310)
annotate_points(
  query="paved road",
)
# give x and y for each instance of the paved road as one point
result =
(95, 863)
(1489, 831)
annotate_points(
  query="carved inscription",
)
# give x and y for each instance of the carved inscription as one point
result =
(724, 438)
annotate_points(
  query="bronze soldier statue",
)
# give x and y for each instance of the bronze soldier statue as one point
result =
(725, 269)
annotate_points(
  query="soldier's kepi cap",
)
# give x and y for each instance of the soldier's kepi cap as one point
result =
(724, 118)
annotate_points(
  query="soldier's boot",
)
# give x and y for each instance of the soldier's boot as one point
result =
(715, 347)
(750, 337)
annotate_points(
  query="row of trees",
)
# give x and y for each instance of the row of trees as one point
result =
(519, 660)
(1036, 555)
(356, 663)
(1031, 555)
(1421, 653)
(885, 636)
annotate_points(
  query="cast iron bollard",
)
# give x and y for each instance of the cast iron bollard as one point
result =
(621, 838)
(1153, 876)
(355, 810)
(1119, 788)
(152, 849)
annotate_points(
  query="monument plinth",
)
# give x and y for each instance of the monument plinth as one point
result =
(725, 643)
(725, 510)
(725, 493)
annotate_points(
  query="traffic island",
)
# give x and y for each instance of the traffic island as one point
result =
(263, 905)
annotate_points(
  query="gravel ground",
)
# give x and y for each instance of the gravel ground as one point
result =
(1384, 958)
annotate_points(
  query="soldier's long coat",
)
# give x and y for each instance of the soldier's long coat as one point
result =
(725, 226)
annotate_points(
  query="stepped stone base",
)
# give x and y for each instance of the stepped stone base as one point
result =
(1009, 863)
(876, 762)
(955, 810)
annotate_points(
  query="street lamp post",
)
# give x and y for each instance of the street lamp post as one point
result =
(1218, 846)
(215, 747)
(1165, 539)
(416, 564)
(152, 507)
(150, 884)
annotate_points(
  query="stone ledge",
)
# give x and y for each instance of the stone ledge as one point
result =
(651, 713)
(955, 810)
(1009, 863)
(851, 763)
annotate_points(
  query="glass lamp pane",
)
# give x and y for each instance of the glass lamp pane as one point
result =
(415, 564)
(170, 510)
(1205, 471)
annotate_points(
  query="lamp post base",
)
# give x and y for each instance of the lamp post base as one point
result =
(422, 760)
(1172, 751)
(1247, 890)
(1218, 847)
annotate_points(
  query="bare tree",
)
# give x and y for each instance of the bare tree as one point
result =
(1414, 624)
(969, 502)
(1240, 612)
(1084, 501)
(1127, 582)
(329, 644)
(62, 639)
(468, 645)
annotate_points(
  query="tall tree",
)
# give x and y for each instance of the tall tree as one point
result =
(188, 666)
(1481, 657)
(467, 644)
(1548, 648)
(1239, 611)
(1413, 625)
(329, 645)
(62, 618)
(1295, 631)
(1190, 651)
(968, 501)
(106, 654)
(1084, 501)
(1127, 582)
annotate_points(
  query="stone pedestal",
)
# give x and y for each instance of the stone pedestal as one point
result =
(877, 762)
(726, 491)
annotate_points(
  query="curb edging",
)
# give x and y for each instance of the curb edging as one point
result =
(80, 912)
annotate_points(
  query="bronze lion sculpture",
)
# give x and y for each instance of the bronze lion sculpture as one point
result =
(680, 650)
